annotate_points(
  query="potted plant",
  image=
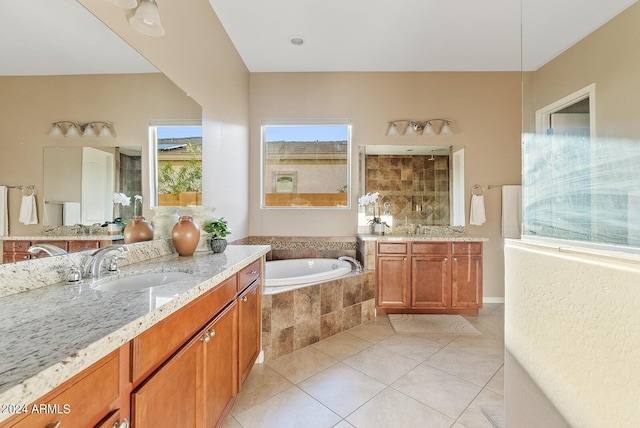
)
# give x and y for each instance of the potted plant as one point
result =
(219, 229)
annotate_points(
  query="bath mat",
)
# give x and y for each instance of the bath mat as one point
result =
(495, 416)
(431, 324)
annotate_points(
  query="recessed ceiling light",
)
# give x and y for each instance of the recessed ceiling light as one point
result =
(296, 40)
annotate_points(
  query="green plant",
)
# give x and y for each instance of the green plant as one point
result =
(218, 228)
(185, 178)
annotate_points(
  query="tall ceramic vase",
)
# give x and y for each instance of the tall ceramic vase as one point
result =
(163, 221)
(185, 236)
(138, 230)
(202, 215)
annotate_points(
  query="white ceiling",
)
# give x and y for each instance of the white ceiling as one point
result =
(48, 37)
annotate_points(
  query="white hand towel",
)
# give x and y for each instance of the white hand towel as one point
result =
(70, 213)
(512, 211)
(28, 210)
(4, 212)
(477, 216)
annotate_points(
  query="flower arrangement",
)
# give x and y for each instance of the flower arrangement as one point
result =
(119, 199)
(371, 198)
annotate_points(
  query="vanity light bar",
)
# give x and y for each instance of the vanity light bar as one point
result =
(414, 127)
(67, 128)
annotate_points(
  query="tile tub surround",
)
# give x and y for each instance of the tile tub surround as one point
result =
(302, 247)
(29, 274)
(100, 322)
(298, 318)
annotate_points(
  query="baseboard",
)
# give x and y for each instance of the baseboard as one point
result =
(493, 300)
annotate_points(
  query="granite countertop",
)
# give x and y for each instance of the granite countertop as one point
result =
(85, 237)
(407, 238)
(49, 334)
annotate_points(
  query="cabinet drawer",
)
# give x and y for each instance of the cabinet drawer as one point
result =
(15, 246)
(430, 248)
(467, 248)
(81, 402)
(248, 275)
(155, 345)
(10, 257)
(81, 245)
(392, 248)
(60, 244)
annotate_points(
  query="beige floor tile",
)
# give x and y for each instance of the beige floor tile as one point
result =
(392, 409)
(484, 346)
(342, 346)
(496, 384)
(231, 422)
(381, 364)
(263, 383)
(488, 308)
(445, 393)
(373, 331)
(343, 424)
(341, 388)
(413, 346)
(291, 408)
(473, 416)
(471, 367)
(301, 364)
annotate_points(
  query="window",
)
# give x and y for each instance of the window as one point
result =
(305, 164)
(176, 163)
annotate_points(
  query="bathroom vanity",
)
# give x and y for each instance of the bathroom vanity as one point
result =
(171, 355)
(438, 274)
(14, 249)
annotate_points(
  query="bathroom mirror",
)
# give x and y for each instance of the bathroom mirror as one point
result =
(416, 185)
(79, 183)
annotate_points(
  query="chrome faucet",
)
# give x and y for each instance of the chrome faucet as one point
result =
(97, 259)
(50, 249)
(352, 260)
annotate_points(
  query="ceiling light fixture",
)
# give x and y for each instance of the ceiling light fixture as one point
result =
(67, 128)
(296, 40)
(146, 20)
(414, 127)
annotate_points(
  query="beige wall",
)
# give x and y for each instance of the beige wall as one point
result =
(484, 108)
(572, 319)
(29, 105)
(198, 56)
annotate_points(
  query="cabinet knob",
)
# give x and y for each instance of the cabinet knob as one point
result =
(124, 424)
(206, 337)
(243, 298)
(212, 333)
(54, 424)
(254, 272)
(404, 259)
(455, 259)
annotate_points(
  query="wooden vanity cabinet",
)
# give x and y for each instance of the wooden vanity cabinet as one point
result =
(248, 330)
(429, 277)
(195, 387)
(16, 250)
(86, 400)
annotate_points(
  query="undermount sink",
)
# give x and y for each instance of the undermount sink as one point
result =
(139, 280)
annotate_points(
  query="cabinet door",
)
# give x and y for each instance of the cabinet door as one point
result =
(466, 282)
(83, 245)
(249, 329)
(169, 398)
(393, 282)
(430, 282)
(220, 369)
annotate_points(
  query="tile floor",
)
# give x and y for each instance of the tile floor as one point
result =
(370, 377)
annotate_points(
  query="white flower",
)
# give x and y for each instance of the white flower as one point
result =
(138, 198)
(368, 199)
(122, 199)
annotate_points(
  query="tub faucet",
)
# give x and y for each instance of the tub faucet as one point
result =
(50, 249)
(97, 259)
(352, 260)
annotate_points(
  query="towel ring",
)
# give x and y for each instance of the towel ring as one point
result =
(27, 189)
(477, 187)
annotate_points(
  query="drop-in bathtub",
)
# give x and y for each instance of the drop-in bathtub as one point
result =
(284, 275)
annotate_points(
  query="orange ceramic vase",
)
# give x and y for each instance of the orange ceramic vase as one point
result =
(185, 236)
(138, 230)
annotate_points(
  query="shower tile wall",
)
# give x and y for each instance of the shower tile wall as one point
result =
(416, 186)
